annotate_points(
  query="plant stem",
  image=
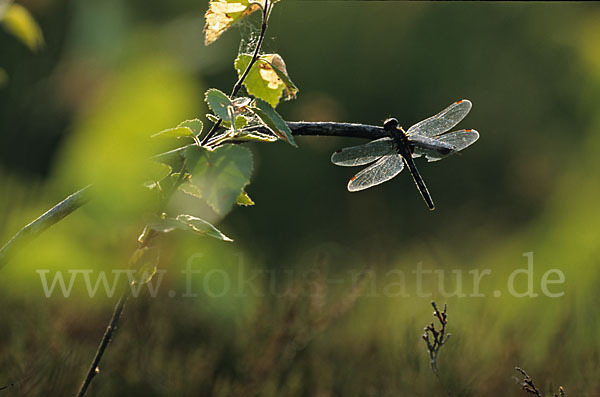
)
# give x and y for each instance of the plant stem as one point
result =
(238, 85)
(327, 128)
(43, 222)
(112, 326)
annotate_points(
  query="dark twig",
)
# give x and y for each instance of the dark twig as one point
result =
(528, 386)
(9, 386)
(112, 326)
(527, 383)
(434, 338)
(328, 128)
(43, 222)
(323, 128)
(238, 85)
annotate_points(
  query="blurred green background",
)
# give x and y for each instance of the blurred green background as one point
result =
(276, 312)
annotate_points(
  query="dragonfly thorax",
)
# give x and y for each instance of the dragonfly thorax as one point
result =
(390, 124)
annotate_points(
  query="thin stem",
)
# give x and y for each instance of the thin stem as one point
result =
(238, 85)
(112, 326)
(263, 29)
(43, 222)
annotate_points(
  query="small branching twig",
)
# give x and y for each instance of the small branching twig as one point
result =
(527, 383)
(528, 386)
(434, 338)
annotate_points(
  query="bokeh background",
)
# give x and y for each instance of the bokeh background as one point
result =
(279, 311)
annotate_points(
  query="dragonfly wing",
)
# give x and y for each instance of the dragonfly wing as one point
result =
(363, 154)
(458, 139)
(443, 121)
(429, 147)
(383, 170)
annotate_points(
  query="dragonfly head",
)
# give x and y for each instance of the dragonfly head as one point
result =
(390, 124)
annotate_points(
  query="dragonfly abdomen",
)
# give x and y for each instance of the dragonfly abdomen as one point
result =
(419, 182)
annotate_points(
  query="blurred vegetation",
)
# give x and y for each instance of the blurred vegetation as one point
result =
(112, 73)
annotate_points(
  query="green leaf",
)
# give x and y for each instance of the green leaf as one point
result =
(188, 223)
(176, 132)
(18, 21)
(254, 136)
(212, 118)
(220, 175)
(188, 128)
(240, 122)
(218, 102)
(195, 125)
(156, 171)
(173, 158)
(192, 155)
(255, 84)
(273, 121)
(244, 199)
(190, 189)
(278, 66)
(202, 227)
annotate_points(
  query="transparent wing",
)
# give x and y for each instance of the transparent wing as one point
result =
(426, 146)
(443, 121)
(458, 139)
(383, 170)
(363, 154)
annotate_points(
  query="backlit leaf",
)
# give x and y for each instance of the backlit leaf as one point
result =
(173, 158)
(188, 223)
(253, 136)
(201, 226)
(211, 117)
(244, 199)
(18, 21)
(269, 89)
(273, 121)
(218, 102)
(190, 189)
(277, 65)
(176, 132)
(222, 14)
(157, 171)
(220, 175)
(195, 125)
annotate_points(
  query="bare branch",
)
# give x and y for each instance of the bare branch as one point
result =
(319, 128)
(529, 387)
(112, 326)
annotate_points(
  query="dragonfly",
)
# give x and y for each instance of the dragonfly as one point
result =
(429, 138)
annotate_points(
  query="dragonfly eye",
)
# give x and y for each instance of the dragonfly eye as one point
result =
(390, 124)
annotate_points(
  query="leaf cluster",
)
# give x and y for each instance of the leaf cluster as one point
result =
(210, 166)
